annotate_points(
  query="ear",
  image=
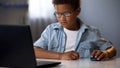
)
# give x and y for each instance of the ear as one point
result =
(78, 10)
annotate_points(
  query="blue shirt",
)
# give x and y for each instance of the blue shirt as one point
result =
(88, 38)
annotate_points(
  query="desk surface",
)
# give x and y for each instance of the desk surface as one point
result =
(87, 63)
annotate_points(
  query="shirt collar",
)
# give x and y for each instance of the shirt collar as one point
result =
(57, 26)
(83, 27)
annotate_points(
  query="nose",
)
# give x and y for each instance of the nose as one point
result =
(62, 18)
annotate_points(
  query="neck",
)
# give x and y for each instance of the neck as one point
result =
(74, 26)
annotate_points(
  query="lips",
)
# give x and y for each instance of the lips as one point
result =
(64, 22)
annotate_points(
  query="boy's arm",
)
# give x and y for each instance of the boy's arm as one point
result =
(41, 53)
(108, 53)
(45, 54)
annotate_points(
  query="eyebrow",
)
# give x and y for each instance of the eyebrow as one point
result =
(64, 11)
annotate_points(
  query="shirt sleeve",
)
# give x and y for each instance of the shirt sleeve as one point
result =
(43, 40)
(101, 42)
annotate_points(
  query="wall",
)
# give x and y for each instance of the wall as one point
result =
(105, 15)
(12, 15)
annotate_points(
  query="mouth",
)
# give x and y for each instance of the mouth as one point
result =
(64, 22)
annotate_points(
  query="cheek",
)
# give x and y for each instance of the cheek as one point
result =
(58, 19)
(70, 19)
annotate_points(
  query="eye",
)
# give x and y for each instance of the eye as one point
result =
(67, 13)
(57, 14)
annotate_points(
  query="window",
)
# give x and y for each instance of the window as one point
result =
(40, 8)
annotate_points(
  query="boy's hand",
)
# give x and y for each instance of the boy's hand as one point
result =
(71, 55)
(98, 54)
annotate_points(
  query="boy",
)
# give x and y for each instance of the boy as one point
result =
(71, 39)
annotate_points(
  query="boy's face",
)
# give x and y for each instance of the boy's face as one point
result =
(66, 15)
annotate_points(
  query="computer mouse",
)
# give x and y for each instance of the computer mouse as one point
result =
(94, 59)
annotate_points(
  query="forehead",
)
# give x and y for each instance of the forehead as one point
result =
(63, 7)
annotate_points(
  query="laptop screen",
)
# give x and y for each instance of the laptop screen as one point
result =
(16, 47)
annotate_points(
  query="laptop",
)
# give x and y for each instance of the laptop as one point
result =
(16, 48)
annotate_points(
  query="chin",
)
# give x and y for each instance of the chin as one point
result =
(65, 26)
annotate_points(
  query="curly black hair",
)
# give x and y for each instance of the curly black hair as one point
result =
(74, 3)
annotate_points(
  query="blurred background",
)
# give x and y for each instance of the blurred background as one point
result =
(103, 14)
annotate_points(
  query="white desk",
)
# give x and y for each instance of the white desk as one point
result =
(87, 63)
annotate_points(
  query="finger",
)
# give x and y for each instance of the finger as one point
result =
(69, 55)
(93, 53)
(73, 57)
(76, 55)
(98, 53)
(102, 56)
